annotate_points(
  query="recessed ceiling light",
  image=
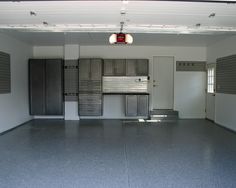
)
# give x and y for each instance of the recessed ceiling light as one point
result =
(122, 12)
(45, 23)
(32, 13)
(198, 25)
(125, 2)
(212, 15)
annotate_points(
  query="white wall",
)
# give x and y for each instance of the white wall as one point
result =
(71, 52)
(225, 104)
(48, 51)
(14, 106)
(195, 109)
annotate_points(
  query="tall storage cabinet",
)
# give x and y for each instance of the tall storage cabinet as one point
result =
(90, 87)
(46, 86)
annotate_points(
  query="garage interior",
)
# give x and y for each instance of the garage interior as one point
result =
(126, 93)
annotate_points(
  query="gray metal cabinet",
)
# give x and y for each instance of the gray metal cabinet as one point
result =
(142, 105)
(114, 67)
(90, 87)
(136, 67)
(46, 86)
(142, 67)
(119, 67)
(37, 86)
(90, 69)
(90, 104)
(90, 75)
(131, 105)
(136, 105)
(84, 69)
(131, 67)
(108, 67)
(54, 93)
(95, 69)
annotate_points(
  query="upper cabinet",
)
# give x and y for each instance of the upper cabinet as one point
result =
(90, 69)
(114, 67)
(136, 67)
(119, 67)
(126, 67)
(90, 75)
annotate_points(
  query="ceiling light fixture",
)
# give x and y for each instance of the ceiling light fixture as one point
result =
(32, 13)
(121, 38)
(212, 15)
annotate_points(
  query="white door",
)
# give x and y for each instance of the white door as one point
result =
(163, 82)
(210, 97)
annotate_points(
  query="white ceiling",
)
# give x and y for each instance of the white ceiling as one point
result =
(91, 22)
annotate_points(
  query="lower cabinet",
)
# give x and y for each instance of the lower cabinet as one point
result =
(90, 104)
(136, 105)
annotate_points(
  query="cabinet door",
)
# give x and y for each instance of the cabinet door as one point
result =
(37, 86)
(108, 67)
(142, 67)
(131, 105)
(54, 95)
(131, 67)
(119, 67)
(96, 69)
(142, 105)
(84, 69)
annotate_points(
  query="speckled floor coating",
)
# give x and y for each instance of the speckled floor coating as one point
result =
(114, 154)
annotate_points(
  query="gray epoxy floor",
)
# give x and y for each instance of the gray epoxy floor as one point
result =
(114, 154)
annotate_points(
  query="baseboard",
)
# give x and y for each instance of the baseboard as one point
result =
(210, 120)
(226, 128)
(9, 130)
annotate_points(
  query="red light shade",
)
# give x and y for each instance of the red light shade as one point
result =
(121, 38)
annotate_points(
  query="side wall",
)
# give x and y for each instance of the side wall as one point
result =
(14, 106)
(183, 103)
(225, 104)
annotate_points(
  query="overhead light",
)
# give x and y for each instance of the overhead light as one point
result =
(198, 25)
(212, 15)
(32, 13)
(121, 38)
(125, 2)
(45, 23)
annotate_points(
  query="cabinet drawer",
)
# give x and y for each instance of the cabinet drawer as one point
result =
(90, 99)
(90, 109)
(90, 86)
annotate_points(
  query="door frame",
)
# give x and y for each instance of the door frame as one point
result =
(210, 65)
(152, 77)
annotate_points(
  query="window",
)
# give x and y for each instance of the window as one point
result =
(211, 80)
